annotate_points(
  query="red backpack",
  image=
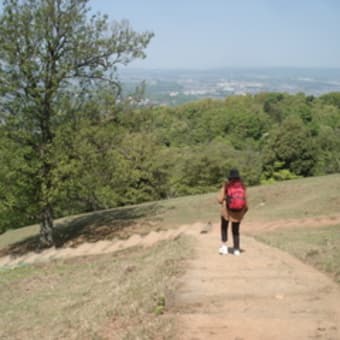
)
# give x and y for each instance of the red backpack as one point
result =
(235, 194)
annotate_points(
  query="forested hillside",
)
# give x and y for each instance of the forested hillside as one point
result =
(113, 154)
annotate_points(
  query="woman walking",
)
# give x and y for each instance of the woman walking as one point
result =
(233, 199)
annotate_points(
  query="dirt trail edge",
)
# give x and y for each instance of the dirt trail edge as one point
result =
(262, 294)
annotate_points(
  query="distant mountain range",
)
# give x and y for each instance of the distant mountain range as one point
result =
(173, 87)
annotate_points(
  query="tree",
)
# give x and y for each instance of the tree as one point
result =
(290, 146)
(332, 98)
(50, 50)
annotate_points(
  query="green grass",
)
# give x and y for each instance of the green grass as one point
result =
(319, 247)
(17, 235)
(299, 198)
(308, 197)
(123, 296)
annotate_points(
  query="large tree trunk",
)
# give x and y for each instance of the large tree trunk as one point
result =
(46, 227)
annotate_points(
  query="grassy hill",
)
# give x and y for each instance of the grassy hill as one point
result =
(125, 295)
(301, 198)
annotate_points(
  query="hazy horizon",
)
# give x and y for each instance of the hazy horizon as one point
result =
(250, 67)
(223, 33)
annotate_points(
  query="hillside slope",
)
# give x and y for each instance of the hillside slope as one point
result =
(307, 198)
(263, 294)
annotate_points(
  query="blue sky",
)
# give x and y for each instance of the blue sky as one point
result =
(237, 33)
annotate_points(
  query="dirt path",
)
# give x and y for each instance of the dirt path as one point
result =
(262, 294)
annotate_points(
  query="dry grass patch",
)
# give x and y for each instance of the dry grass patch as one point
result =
(122, 296)
(300, 198)
(319, 247)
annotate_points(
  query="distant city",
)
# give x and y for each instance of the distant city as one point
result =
(174, 87)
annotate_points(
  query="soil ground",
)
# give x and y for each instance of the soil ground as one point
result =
(262, 294)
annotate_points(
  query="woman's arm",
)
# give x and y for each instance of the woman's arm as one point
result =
(220, 196)
(246, 207)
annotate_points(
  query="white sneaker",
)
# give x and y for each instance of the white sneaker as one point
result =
(223, 250)
(237, 252)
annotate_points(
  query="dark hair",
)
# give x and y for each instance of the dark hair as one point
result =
(234, 174)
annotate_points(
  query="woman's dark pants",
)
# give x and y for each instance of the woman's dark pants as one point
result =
(235, 227)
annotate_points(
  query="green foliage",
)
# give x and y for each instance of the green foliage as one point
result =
(271, 105)
(144, 176)
(279, 174)
(200, 169)
(332, 99)
(17, 185)
(244, 122)
(328, 140)
(293, 146)
(53, 57)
